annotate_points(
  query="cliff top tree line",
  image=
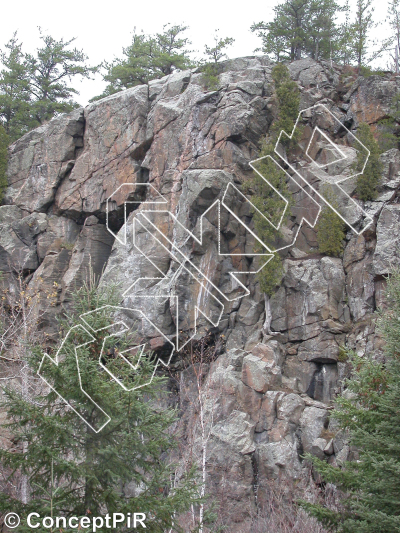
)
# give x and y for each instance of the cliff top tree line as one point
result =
(34, 87)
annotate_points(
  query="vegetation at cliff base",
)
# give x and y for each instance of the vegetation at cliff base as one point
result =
(370, 414)
(73, 470)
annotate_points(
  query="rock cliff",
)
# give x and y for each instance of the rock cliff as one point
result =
(273, 364)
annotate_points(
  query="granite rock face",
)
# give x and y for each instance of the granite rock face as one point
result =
(174, 148)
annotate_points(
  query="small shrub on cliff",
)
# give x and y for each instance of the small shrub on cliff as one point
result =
(265, 199)
(271, 206)
(368, 181)
(215, 53)
(371, 416)
(4, 141)
(330, 228)
(271, 275)
(288, 99)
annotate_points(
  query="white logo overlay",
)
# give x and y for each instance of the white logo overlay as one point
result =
(323, 163)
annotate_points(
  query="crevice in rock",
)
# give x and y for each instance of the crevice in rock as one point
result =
(255, 483)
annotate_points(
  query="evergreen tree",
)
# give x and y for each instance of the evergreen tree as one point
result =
(300, 27)
(49, 69)
(371, 416)
(35, 88)
(75, 471)
(147, 58)
(14, 90)
(330, 227)
(361, 28)
(4, 142)
(215, 54)
(345, 53)
(368, 181)
(321, 40)
(394, 22)
(264, 198)
(288, 99)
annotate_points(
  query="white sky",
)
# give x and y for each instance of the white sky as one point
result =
(103, 28)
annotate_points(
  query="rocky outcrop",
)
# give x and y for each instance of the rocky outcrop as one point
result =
(277, 363)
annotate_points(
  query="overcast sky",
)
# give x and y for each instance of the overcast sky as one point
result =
(103, 28)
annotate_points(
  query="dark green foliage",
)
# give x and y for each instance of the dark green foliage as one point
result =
(288, 96)
(14, 90)
(270, 276)
(217, 52)
(35, 88)
(210, 76)
(361, 29)
(50, 69)
(4, 141)
(264, 198)
(271, 205)
(368, 181)
(147, 58)
(75, 471)
(371, 416)
(300, 27)
(366, 72)
(330, 227)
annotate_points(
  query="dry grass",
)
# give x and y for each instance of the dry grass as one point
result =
(279, 511)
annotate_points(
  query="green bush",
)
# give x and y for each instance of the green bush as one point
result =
(264, 198)
(330, 227)
(270, 276)
(288, 98)
(210, 76)
(368, 181)
(366, 72)
(4, 141)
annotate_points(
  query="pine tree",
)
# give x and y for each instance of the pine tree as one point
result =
(217, 52)
(362, 26)
(4, 142)
(71, 469)
(368, 181)
(300, 27)
(371, 416)
(345, 53)
(36, 87)
(49, 69)
(148, 57)
(330, 227)
(214, 55)
(14, 90)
